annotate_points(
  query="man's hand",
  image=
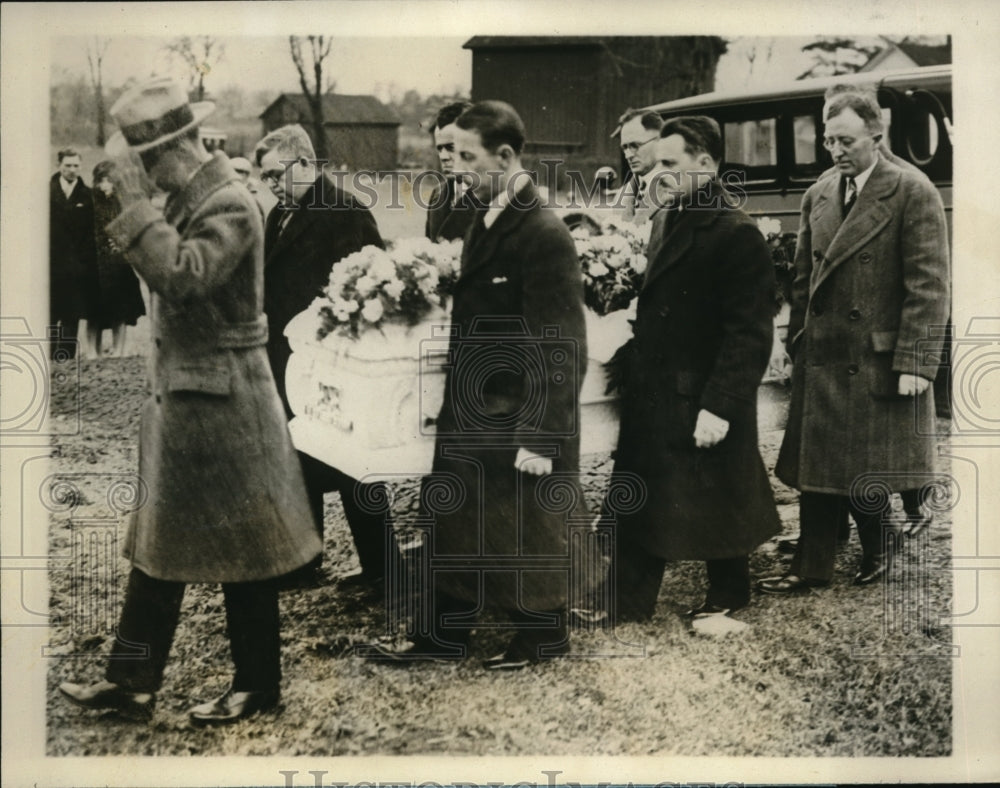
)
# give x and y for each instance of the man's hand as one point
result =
(911, 385)
(130, 179)
(529, 462)
(709, 430)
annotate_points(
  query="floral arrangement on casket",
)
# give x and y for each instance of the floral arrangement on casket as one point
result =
(782, 246)
(403, 285)
(358, 363)
(613, 264)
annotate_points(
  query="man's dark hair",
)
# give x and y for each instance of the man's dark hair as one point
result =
(650, 120)
(66, 153)
(449, 113)
(864, 106)
(496, 122)
(701, 134)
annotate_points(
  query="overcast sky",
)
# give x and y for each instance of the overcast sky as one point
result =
(358, 65)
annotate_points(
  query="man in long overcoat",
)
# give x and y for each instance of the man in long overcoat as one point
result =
(73, 284)
(226, 501)
(449, 211)
(702, 339)
(313, 225)
(508, 432)
(871, 285)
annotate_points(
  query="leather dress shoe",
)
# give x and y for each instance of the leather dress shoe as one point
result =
(407, 652)
(518, 657)
(788, 546)
(137, 706)
(232, 706)
(917, 523)
(705, 610)
(873, 569)
(788, 584)
(585, 618)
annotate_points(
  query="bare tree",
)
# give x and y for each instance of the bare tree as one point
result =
(313, 88)
(96, 49)
(199, 54)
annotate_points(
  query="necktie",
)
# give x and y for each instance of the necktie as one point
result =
(850, 195)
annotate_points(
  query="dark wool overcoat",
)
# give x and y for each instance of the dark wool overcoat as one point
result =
(73, 290)
(869, 301)
(517, 359)
(120, 296)
(702, 340)
(448, 219)
(326, 225)
(226, 497)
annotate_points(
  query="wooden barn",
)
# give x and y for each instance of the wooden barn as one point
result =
(570, 90)
(361, 131)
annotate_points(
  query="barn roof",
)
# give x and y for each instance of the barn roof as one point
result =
(506, 42)
(340, 109)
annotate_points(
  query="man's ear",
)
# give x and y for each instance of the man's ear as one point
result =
(506, 154)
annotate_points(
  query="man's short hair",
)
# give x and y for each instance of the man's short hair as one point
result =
(449, 113)
(291, 142)
(701, 134)
(496, 122)
(864, 106)
(651, 121)
(65, 153)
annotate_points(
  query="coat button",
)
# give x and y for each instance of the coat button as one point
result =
(665, 311)
(854, 314)
(852, 369)
(158, 342)
(816, 310)
(865, 257)
(159, 399)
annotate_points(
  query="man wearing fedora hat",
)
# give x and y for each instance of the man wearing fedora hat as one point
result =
(226, 501)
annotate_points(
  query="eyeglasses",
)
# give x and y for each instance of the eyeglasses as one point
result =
(272, 176)
(632, 147)
(846, 143)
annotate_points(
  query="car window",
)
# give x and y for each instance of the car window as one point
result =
(751, 143)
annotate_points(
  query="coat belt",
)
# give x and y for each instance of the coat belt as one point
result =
(243, 335)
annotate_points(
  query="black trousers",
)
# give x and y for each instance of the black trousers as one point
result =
(365, 505)
(820, 516)
(638, 576)
(537, 635)
(149, 620)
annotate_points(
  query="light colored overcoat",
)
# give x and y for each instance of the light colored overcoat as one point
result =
(226, 498)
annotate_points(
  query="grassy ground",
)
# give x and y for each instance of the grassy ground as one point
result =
(829, 673)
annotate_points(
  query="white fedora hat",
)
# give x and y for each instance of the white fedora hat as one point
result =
(153, 112)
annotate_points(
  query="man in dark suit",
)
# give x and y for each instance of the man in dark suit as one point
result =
(872, 274)
(637, 131)
(702, 339)
(314, 225)
(450, 212)
(508, 431)
(73, 286)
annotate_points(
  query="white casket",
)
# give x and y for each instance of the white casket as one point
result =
(368, 406)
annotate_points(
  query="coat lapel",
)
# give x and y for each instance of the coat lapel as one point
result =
(478, 253)
(676, 243)
(301, 218)
(866, 219)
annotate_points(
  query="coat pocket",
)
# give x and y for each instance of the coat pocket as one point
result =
(884, 382)
(216, 379)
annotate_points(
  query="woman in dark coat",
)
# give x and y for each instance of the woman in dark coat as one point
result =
(120, 300)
